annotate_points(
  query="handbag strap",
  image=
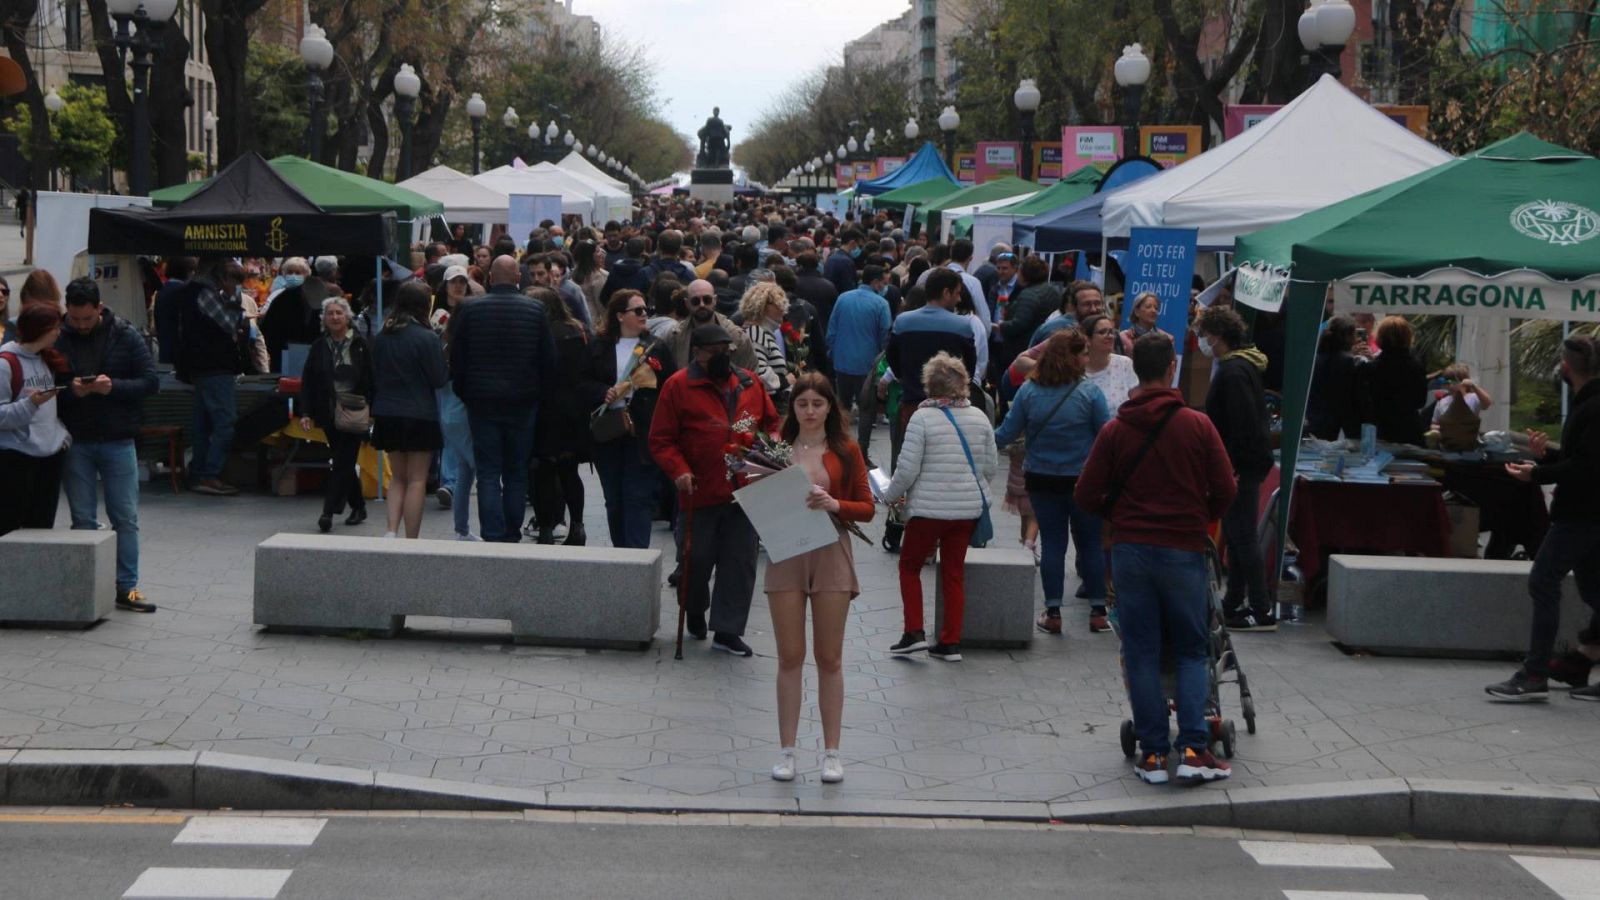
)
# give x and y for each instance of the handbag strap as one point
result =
(971, 464)
(1053, 410)
(1115, 492)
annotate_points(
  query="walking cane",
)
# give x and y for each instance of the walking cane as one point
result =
(683, 578)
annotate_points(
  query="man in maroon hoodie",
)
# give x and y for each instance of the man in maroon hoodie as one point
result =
(1159, 475)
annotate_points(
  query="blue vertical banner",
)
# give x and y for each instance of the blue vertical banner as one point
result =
(1161, 261)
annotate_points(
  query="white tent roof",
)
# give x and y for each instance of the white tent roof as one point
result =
(464, 200)
(596, 186)
(577, 197)
(574, 162)
(1325, 146)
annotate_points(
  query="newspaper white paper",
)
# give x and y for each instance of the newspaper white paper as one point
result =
(878, 480)
(776, 506)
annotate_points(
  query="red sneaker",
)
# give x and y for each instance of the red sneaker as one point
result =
(1199, 767)
(1098, 622)
(1152, 769)
(1049, 624)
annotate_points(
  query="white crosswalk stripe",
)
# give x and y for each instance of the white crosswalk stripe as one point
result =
(1571, 879)
(1347, 895)
(1328, 856)
(214, 884)
(285, 832)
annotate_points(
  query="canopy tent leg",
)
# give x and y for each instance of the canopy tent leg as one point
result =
(1484, 344)
(378, 323)
(1302, 310)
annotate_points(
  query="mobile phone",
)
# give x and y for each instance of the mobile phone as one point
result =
(1361, 334)
(64, 379)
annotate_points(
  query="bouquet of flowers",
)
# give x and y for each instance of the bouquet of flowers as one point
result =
(641, 374)
(755, 455)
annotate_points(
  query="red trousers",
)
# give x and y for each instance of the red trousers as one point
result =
(950, 537)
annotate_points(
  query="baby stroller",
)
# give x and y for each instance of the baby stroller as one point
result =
(1223, 669)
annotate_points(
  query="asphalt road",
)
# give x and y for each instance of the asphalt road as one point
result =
(398, 859)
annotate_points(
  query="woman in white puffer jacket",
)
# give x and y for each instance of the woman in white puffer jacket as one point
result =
(944, 498)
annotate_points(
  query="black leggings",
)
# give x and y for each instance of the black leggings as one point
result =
(30, 489)
(557, 486)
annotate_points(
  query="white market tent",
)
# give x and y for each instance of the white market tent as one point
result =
(465, 201)
(577, 197)
(574, 162)
(1325, 146)
(609, 202)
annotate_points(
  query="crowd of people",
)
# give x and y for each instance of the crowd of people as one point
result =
(497, 369)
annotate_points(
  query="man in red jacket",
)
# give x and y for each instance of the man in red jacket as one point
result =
(693, 423)
(1159, 474)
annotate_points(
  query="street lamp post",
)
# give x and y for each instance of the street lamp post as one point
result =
(210, 123)
(148, 19)
(53, 103)
(949, 121)
(1132, 70)
(476, 110)
(1027, 100)
(1324, 28)
(317, 53)
(406, 88)
(551, 132)
(511, 120)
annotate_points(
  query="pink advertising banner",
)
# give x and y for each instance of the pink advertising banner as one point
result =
(887, 164)
(997, 159)
(841, 175)
(1087, 145)
(1237, 118)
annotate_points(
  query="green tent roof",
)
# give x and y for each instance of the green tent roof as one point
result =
(1463, 213)
(988, 192)
(332, 189)
(913, 194)
(1065, 192)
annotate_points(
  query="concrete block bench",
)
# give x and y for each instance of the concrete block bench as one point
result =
(65, 579)
(1438, 607)
(1000, 599)
(555, 595)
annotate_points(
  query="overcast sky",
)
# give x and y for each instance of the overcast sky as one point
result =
(734, 53)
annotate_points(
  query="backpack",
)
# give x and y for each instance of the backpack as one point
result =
(16, 374)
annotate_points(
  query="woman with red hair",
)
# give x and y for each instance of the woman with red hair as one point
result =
(33, 442)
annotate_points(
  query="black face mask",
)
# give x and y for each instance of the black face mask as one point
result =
(719, 367)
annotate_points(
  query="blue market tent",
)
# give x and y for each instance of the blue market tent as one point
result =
(926, 165)
(1077, 225)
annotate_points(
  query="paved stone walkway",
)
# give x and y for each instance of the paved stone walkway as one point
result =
(459, 701)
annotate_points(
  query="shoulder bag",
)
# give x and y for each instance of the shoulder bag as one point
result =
(1114, 493)
(983, 532)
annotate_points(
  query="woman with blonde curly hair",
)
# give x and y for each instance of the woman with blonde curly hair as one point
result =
(762, 311)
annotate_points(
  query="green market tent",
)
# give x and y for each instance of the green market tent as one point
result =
(976, 195)
(1065, 192)
(334, 190)
(914, 194)
(1511, 231)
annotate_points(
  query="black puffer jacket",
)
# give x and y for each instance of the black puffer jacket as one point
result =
(603, 375)
(503, 353)
(1575, 468)
(563, 426)
(117, 350)
(1236, 403)
(317, 391)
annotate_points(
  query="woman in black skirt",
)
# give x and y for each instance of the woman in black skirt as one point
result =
(408, 370)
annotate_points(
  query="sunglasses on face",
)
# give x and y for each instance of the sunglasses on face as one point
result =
(637, 310)
(1006, 257)
(5, 292)
(702, 301)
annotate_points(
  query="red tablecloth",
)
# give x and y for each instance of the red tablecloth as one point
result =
(1366, 518)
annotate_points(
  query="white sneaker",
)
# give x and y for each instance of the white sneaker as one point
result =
(469, 536)
(390, 534)
(832, 768)
(783, 770)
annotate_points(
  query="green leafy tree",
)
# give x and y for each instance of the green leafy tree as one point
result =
(81, 134)
(275, 79)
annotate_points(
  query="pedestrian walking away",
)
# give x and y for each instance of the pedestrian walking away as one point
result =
(826, 576)
(113, 374)
(1573, 542)
(693, 424)
(408, 370)
(944, 470)
(1160, 474)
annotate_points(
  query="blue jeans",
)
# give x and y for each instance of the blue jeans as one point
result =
(629, 484)
(211, 435)
(1161, 598)
(456, 467)
(1058, 514)
(502, 445)
(116, 465)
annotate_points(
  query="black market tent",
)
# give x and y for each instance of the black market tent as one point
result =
(246, 210)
